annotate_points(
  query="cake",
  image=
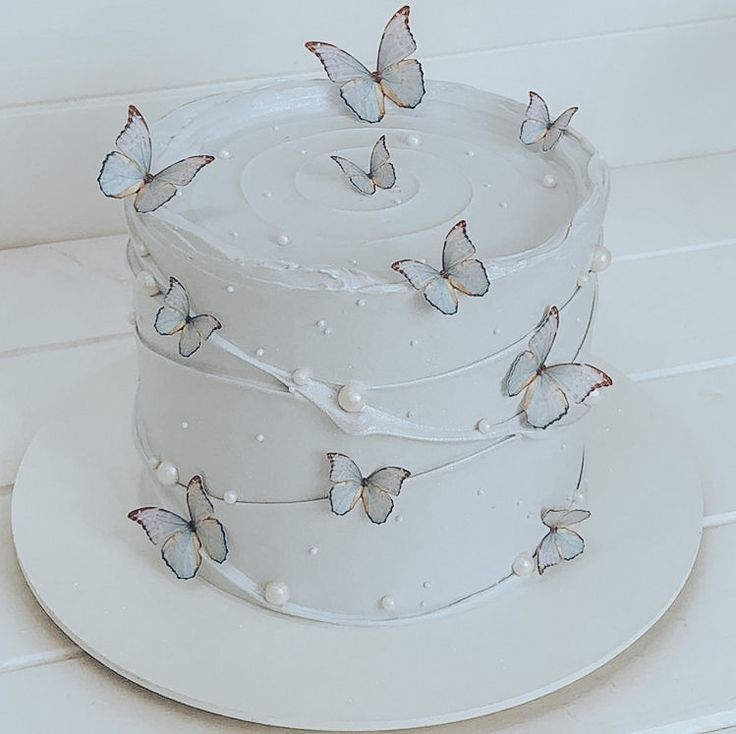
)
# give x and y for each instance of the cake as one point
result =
(363, 335)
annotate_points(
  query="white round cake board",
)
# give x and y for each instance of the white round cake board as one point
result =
(92, 572)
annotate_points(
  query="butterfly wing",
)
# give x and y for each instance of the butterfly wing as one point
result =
(578, 380)
(441, 295)
(174, 314)
(119, 176)
(544, 402)
(358, 178)
(457, 247)
(420, 275)
(382, 172)
(536, 120)
(523, 370)
(196, 331)
(547, 553)
(378, 504)
(397, 42)
(403, 83)
(557, 129)
(347, 483)
(181, 553)
(153, 195)
(365, 98)
(569, 544)
(470, 278)
(543, 338)
(209, 530)
(562, 518)
(388, 479)
(182, 172)
(159, 524)
(134, 140)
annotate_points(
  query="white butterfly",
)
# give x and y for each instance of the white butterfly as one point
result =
(174, 316)
(560, 543)
(377, 491)
(381, 173)
(183, 540)
(461, 271)
(538, 125)
(127, 171)
(397, 77)
(548, 391)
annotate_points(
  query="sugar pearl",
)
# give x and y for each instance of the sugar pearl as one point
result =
(260, 352)
(321, 324)
(352, 397)
(167, 473)
(496, 330)
(523, 564)
(413, 140)
(427, 585)
(601, 259)
(300, 376)
(267, 194)
(360, 302)
(327, 331)
(224, 153)
(484, 425)
(469, 153)
(230, 497)
(413, 342)
(503, 204)
(388, 603)
(276, 593)
(549, 181)
(282, 240)
(185, 425)
(313, 551)
(579, 497)
(230, 289)
(148, 283)
(260, 438)
(235, 234)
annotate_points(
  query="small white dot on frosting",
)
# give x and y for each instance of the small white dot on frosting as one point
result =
(523, 564)
(413, 342)
(260, 437)
(399, 518)
(321, 324)
(427, 585)
(484, 425)
(480, 492)
(267, 194)
(230, 289)
(409, 413)
(469, 153)
(230, 497)
(549, 181)
(579, 497)
(235, 234)
(573, 266)
(486, 185)
(167, 473)
(178, 192)
(496, 330)
(185, 425)
(224, 153)
(188, 121)
(529, 515)
(387, 602)
(413, 140)
(260, 352)
(353, 262)
(302, 152)
(360, 302)
(520, 502)
(327, 331)
(313, 550)
(503, 204)
(274, 128)
(398, 201)
(276, 593)
(583, 280)
(282, 240)
(422, 603)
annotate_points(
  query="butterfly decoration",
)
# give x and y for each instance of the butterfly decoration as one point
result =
(549, 390)
(538, 126)
(560, 543)
(397, 77)
(183, 540)
(380, 175)
(127, 170)
(377, 490)
(175, 317)
(461, 271)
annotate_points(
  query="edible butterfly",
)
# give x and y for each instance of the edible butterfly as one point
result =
(538, 125)
(397, 77)
(175, 317)
(377, 491)
(183, 540)
(127, 171)
(461, 271)
(561, 543)
(548, 391)
(381, 173)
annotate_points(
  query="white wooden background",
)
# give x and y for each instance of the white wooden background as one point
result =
(654, 79)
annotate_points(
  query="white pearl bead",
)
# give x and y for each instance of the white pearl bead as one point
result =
(523, 564)
(267, 194)
(275, 128)
(413, 342)
(153, 462)
(427, 585)
(549, 181)
(360, 302)
(601, 259)
(484, 425)
(224, 153)
(352, 397)
(503, 204)
(422, 603)
(231, 497)
(185, 425)
(327, 331)
(230, 289)
(282, 240)
(487, 185)
(583, 280)
(234, 234)
(276, 593)
(409, 413)
(413, 140)
(313, 551)
(260, 438)
(260, 352)
(469, 153)
(321, 324)
(167, 473)
(496, 330)
(388, 602)
(300, 376)
(302, 152)
(148, 283)
(579, 497)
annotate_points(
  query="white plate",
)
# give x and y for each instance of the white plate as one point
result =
(195, 644)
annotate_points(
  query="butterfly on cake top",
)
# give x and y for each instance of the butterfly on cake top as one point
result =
(127, 171)
(182, 541)
(549, 389)
(561, 543)
(538, 126)
(381, 173)
(377, 491)
(461, 272)
(397, 77)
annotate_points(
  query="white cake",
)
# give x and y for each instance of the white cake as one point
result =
(273, 241)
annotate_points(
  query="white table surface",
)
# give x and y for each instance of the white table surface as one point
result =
(666, 319)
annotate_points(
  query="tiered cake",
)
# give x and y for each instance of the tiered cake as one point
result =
(280, 350)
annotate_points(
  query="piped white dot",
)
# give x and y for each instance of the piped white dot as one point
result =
(148, 283)
(399, 518)
(260, 437)
(224, 153)
(185, 425)
(413, 342)
(282, 240)
(486, 185)
(327, 331)
(302, 152)
(398, 201)
(413, 141)
(409, 413)
(230, 497)
(470, 153)
(480, 492)
(579, 497)
(260, 352)
(360, 302)
(549, 181)
(275, 128)
(427, 585)
(503, 204)
(519, 503)
(234, 234)
(320, 324)
(267, 194)
(313, 551)
(496, 330)
(422, 603)
(230, 289)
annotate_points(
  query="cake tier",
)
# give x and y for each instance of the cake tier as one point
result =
(306, 285)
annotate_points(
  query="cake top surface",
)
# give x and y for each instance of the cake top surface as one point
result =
(277, 205)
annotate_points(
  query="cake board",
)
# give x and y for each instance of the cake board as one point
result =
(105, 587)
